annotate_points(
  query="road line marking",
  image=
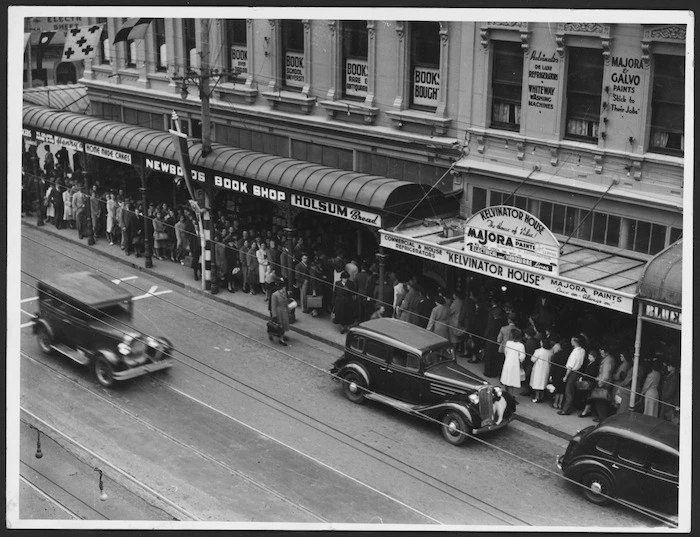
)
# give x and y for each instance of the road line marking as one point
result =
(119, 280)
(149, 294)
(28, 299)
(343, 474)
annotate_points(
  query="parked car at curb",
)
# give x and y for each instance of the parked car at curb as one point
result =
(413, 370)
(87, 318)
(631, 458)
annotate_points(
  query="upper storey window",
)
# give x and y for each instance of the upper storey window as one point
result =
(506, 85)
(668, 105)
(425, 65)
(584, 87)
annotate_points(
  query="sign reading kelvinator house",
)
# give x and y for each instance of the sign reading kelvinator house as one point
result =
(511, 234)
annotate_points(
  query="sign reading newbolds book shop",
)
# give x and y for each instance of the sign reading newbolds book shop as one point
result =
(511, 234)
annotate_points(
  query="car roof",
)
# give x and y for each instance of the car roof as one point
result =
(405, 334)
(646, 429)
(88, 288)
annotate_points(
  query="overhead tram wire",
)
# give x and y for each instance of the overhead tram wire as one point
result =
(355, 293)
(280, 351)
(437, 422)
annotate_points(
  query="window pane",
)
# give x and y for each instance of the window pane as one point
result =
(506, 85)
(520, 202)
(584, 86)
(293, 35)
(558, 215)
(376, 349)
(190, 42)
(496, 198)
(478, 199)
(633, 452)
(658, 238)
(585, 225)
(668, 105)
(355, 39)
(676, 234)
(355, 64)
(606, 444)
(663, 462)
(641, 238)
(612, 237)
(292, 57)
(571, 220)
(600, 220)
(425, 43)
(236, 49)
(546, 213)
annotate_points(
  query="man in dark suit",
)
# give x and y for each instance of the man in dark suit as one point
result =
(301, 281)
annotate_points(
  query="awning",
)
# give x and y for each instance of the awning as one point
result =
(660, 287)
(600, 278)
(70, 97)
(392, 198)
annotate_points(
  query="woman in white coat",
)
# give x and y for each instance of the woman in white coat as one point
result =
(539, 376)
(514, 356)
(263, 265)
(68, 207)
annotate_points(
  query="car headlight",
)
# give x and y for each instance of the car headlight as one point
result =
(131, 345)
(474, 398)
(497, 391)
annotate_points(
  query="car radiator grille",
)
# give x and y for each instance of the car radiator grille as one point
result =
(486, 405)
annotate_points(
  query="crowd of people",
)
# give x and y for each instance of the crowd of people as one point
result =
(527, 349)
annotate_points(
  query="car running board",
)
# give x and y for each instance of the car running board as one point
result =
(406, 407)
(74, 354)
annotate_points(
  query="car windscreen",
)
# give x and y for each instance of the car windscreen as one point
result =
(438, 356)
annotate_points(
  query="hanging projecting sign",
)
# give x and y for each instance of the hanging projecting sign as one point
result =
(356, 77)
(426, 86)
(108, 153)
(513, 235)
(583, 291)
(335, 209)
(662, 314)
(294, 69)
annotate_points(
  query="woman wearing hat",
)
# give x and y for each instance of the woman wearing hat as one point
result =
(279, 310)
(344, 310)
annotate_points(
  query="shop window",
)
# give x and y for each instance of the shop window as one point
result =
(159, 45)
(190, 44)
(478, 199)
(668, 105)
(646, 237)
(332, 157)
(675, 233)
(103, 48)
(425, 65)
(584, 82)
(265, 143)
(236, 49)
(293, 57)
(506, 85)
(355, 62)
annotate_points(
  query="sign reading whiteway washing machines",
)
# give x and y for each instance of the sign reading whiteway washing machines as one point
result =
(511, 234)
(585, 292)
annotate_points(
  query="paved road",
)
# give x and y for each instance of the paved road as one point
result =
(244, 431)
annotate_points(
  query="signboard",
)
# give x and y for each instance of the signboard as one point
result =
(106, 152)
(356, 79)
(426, 86)
(60, 25)
(542, 79)
(511, 234)
(334, 209)
(662, 314)
(294, 69)
(565, 287)
(60, 141)
(239, 60)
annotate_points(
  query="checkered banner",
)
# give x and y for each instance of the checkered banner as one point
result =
(81, 42)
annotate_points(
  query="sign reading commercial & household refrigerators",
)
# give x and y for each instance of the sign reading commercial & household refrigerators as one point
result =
(511, 234)
(585, 292)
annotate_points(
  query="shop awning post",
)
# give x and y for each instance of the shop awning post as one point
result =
(88, 205)
(381, 260)
(148, 233)
(637, 350)
(37, 183)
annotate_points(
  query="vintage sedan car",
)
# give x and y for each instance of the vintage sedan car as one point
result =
(415, 371)
(630, 458)
(87, 318)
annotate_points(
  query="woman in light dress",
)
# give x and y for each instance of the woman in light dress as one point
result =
(514, 356)
(539, 376)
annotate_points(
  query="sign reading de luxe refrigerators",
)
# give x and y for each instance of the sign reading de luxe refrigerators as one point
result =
(511, 234)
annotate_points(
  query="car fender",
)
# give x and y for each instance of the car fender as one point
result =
(353, 366)
(38, 321)
(437, 411)
(577, 468)
(109, 355)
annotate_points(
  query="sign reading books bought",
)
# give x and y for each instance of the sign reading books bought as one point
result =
(511, 234)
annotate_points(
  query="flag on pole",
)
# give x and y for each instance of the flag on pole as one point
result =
(81, 42)
(27, 35)
(132, 29)
(45, 38)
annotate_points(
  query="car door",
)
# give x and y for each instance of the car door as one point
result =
(376, 356)
(662, 482)
(402, 379)
(633, 482)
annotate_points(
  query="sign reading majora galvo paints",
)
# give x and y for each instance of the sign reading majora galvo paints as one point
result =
(511, 234)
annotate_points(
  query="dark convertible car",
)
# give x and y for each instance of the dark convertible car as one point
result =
(415, 371)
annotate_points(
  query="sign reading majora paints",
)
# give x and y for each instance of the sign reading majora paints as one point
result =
(294, 69)
(585, 292)
(511, 234)
(426, 86)
(334, 209)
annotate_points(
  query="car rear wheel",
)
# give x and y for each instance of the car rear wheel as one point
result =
(598, 488)
(44, 339)
(354, 387)
(104, 372)
(454, 427)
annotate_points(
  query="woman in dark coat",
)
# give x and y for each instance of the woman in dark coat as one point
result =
(232, 265)
(57, 199)
(344, 305)
(196, 252)
(557, 370)
(279, 310)
(496, 320)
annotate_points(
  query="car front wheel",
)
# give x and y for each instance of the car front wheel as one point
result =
(354, 386)
(44, 339)
(104, 372)
(597, 488)
(454, 427)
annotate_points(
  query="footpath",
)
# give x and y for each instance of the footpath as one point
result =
(539, 415)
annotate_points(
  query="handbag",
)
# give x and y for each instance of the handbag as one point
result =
(273, 327)
(161, 236)
(600, 394)
(314, 302)
(522, 375)
(583, 384)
